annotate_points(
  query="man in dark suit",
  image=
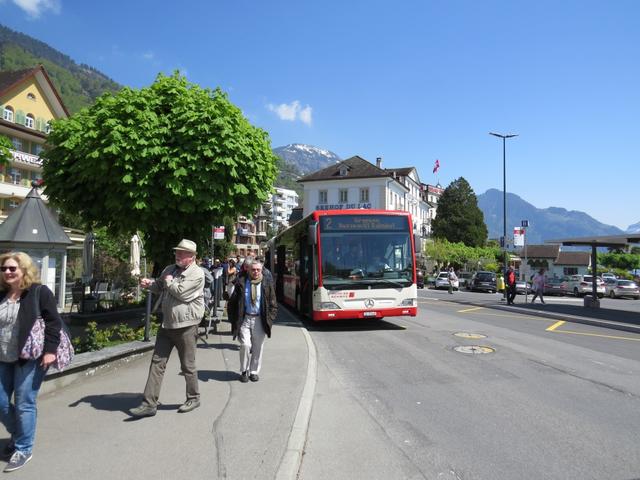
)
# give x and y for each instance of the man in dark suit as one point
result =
(252, 309)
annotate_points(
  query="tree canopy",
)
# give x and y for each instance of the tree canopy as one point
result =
(168, 160)
(458, 218)
(5, 154)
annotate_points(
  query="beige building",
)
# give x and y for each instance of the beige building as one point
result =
(28, 101)
(356, 183)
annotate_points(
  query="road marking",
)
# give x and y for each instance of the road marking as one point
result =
(555, 325)
(470, 309)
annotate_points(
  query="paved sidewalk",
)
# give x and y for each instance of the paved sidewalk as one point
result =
(241, 431)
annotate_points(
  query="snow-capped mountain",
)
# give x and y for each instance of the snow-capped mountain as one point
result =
(306, 158)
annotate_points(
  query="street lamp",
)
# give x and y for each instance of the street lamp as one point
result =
(504, 199)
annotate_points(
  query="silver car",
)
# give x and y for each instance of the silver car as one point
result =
(442, 281)
(622, 288)
(581, 285)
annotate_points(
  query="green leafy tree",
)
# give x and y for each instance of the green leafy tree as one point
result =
(169, 160)
(458, 217)
(5, 154)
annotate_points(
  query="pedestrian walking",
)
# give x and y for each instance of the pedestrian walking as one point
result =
(452, 279)
(538, 286)
(181, 287)
(252, 309)
(22, 301)
(511, 286)
(231, 278)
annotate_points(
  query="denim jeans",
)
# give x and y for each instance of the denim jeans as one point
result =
(22, 381)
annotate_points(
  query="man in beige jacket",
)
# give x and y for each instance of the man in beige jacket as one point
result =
(181, 287)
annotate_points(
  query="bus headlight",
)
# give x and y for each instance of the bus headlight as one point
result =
(409, 302)
(329, 306)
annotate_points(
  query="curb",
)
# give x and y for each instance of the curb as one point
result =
(89, 364)
(625, 327)
(292, 458)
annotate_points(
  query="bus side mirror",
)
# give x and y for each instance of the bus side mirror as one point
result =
(313, 234)
(417, 241)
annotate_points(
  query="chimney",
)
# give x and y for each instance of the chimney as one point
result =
(379, 162)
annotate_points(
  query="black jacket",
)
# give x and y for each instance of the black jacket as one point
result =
(28, 313)
(268, 304)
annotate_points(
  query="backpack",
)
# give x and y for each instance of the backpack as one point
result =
(208, 283)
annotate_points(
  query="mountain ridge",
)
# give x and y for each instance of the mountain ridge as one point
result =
(79, 85)
(544, 223)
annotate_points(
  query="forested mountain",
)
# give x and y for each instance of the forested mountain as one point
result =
(78, 84)
(544, 224)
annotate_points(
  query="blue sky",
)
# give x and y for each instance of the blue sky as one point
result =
(411, 81)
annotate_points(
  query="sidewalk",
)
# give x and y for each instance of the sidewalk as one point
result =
(241, 431)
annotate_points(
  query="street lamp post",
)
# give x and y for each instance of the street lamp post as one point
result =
(504, 201)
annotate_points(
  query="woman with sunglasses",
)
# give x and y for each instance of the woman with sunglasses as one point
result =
(22, 378)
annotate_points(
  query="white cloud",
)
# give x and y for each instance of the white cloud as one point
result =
(34, 8)
(148, 55)
(292, 112)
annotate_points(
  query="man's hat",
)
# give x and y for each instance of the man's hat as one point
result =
(187, 246)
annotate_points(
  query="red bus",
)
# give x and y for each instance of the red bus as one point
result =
(344, 264)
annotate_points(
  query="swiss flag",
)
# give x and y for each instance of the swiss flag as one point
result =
(436, 166)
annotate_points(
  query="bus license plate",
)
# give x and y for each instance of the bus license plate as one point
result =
(369, 314)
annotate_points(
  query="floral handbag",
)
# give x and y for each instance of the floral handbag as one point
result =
(34, 346)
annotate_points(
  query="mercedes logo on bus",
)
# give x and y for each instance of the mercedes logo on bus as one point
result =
(369, 303)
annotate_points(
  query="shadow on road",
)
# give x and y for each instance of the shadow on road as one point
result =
(115, 402)
(217, 375)
(355, 325)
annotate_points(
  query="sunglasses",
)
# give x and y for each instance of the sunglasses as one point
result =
(11, 269)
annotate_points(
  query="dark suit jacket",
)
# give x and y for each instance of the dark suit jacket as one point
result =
(268, 304)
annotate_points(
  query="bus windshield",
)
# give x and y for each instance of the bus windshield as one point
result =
(374, 254)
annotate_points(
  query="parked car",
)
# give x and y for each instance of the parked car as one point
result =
(606, 275)
(553, 286)
(581, 285)
(442, 281)
(523, 288)
(464, 278)
(484, 282)
(419, 278)
(622, 288)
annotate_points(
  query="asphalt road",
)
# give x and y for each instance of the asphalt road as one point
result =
(395, 400)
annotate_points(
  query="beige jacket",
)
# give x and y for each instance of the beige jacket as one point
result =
(183, 297)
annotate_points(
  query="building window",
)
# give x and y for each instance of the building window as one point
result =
(364, 195)
(15, 175)
(13, 204)
(29, 121)
(7, 114)
(47, 128)
(322, 196)
(343, 171)
(17, 144)
(343, 195)
(570, 270)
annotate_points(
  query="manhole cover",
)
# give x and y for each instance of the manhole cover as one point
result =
(469, 335)
(473, 349)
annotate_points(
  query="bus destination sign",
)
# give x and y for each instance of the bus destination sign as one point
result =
(363, 223)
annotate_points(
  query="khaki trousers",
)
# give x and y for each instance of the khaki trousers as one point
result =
(184, 339)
